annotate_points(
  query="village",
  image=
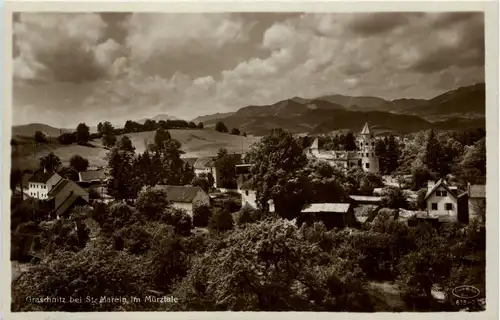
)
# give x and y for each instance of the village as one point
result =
(443, 201)
(254, 161)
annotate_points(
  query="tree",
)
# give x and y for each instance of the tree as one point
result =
(201, 182)
(161, 137)
(40, 137)
(222, 220)
(170, 261)
(16, 176)
(69, 173)
(225, 165)
(50, 162)
(209, 177)
(130, 126)
(326, 182)
(350, 142)
(200, 125)
(270, 266)
(394, 198)
(79, 163)
(125, 144)
(149, 125)
(393, 154)
(99, 128)
(192, 125)
(82, 133)
(433, 155)
(277, 171)
(221, 127)
(107, 128)
(420, 175)
(421, 205)
(121, 184)
(187, 174)
(152, 202)
(249, 214)
(67, 138)
(472, 167)
(180, 220)
(201, 215)
(235, 131)
(109, 140)
(244, 134)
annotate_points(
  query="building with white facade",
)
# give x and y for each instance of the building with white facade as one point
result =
(186, 197)
(363, 157)
(41, 182)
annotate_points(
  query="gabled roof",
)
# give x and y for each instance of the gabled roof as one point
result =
(203, 163)
(366, 199)
(326, 207)
(315, 144)
(181, 193)
(477, 191)
(443, 183)
(67, 203)
(190, 161)
(58, 187)
(366, 129)
(88, 176)
(41, 177)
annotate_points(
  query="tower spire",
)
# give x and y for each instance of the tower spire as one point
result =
(366, 129)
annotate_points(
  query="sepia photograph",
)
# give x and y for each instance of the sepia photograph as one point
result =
(299, 161)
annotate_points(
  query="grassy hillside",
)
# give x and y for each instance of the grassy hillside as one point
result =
(195, 143)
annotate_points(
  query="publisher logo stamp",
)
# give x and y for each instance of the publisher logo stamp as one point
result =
(465, 295)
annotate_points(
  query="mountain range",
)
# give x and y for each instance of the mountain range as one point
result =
(456, 109)
(460, 108)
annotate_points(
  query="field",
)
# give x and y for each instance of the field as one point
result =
(195, 143)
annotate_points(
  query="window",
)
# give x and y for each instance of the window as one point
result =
(434, 206)
(246, 192)
(367, 165)
(367, 154)
(449, 206)
(441, 193)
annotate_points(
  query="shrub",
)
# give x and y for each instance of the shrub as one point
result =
(180, 220)
(40, 137)
(201, 215)
(133, 238)
(394, 198)
(79, 163)
(221, 220)
(249, 215)
(152, 202)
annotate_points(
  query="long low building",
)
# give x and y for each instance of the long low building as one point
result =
(338, 215)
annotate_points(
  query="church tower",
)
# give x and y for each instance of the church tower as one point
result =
(366, 145)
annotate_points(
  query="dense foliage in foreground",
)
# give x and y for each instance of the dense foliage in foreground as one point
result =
(269, 264)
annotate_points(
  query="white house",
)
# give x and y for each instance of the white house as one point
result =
(41, 182)
(249, 196)
(442, 201)
(206, 165)
(186, 197)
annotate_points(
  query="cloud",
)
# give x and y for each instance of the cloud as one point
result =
(151, 36)
(193, 64)
(65, 47)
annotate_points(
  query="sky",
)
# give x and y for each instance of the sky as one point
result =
(91, 67)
